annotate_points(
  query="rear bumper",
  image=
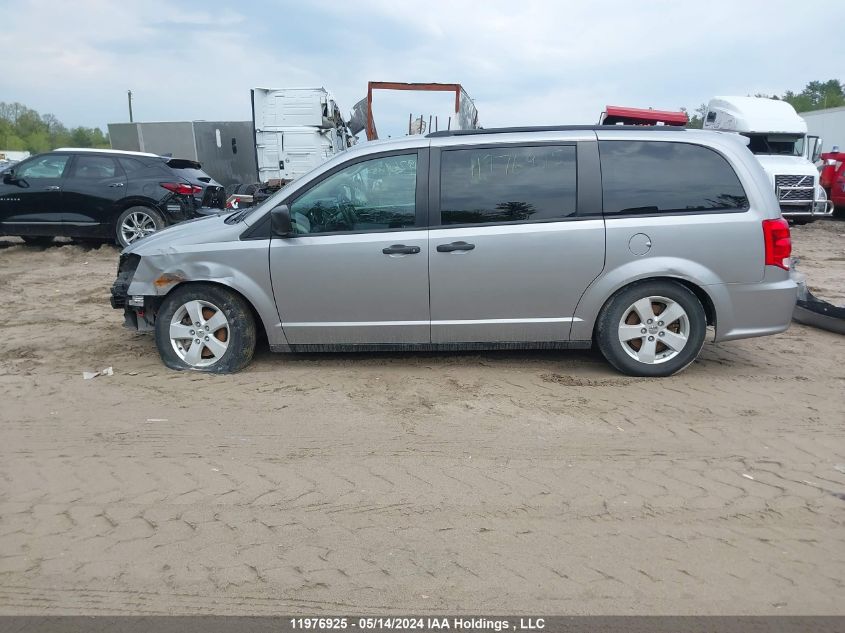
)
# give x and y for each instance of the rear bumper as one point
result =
(179, 208)
(749, 310)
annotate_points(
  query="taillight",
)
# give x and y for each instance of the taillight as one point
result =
(183, 189)
(778, 243)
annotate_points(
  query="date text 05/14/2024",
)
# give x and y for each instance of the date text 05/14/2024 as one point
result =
(417, 624)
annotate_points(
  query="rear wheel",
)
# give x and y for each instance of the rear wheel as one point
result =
(137, 222)
(654, 328)
(205, 328)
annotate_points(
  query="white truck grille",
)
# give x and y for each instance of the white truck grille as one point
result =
(795, 188)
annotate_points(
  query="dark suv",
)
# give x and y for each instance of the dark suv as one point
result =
(103, 194)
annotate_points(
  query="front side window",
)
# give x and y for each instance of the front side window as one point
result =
(94, 167)
(372, 195)
(507, 184)
(649, 177)
(49, 166)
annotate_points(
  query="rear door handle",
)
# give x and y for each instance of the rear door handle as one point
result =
(53, 188)
(116, 184)
(401, 249)
(455, 246)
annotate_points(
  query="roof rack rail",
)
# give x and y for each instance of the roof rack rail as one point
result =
(551, 128)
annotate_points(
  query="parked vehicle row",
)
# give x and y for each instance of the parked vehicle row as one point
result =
(102, 194)
(630, 239)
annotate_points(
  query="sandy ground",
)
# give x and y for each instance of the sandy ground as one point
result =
(499, 482)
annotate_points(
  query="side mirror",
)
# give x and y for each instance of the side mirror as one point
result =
(280, 221)
(9, 177)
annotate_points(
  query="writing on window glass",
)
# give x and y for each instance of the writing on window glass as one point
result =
(507, 184)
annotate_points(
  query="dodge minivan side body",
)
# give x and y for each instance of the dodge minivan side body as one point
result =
(558, 237)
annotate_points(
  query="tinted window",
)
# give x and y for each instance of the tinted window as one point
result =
(192, 174)
(131, 164)
(371, 195)
(640, 177)
(507, 184)
(94, 167)
(49, 166)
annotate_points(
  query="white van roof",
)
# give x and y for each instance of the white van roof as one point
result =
(753, 114)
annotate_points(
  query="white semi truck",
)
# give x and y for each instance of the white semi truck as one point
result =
(778, 137)
(296, 129)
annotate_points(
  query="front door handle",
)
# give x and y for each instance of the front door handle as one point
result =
(116, 184)
(455, 246)
(53, 188)
(401, 249)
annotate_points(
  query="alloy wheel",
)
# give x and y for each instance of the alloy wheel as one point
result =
(654, 330)
(137, 225)
(199, 333)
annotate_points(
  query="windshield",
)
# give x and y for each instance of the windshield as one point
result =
(780, 144)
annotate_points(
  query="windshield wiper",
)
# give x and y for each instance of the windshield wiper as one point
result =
(239, 215)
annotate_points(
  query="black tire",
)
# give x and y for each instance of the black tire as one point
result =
(839, 213)
(610, 323)
(157, 219)
(240, 335)
(37, 240)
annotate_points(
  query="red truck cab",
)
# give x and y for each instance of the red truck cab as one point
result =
(832, 179)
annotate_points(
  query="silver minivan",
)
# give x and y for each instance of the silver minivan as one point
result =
(633, 239)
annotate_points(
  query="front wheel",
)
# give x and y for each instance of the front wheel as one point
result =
(137, 222)
(205, 327)
(654, 328)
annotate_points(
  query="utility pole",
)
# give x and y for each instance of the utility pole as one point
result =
(129, 94)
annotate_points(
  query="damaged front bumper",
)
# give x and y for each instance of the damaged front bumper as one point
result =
(138, 311)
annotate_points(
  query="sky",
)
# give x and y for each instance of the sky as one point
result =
(524, 62)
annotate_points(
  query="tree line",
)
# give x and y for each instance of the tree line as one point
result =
(816, 95)
(23, 128)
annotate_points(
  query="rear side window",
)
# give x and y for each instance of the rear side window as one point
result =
(507, 184)
(131, 164)
(94, 167)
(191, 174)
(648, 177)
